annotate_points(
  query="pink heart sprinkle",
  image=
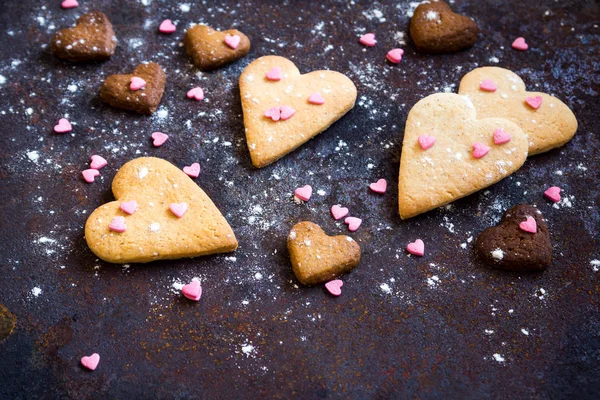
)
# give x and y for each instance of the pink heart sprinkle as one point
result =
(192, 290)
(534, 102)
(553, 193)
(178, 209)
(488, 85)
(128, 207)
(379, 187)
(334, 287)
(501, 136)
(167, 26)
(159, 138)
(118, 225)
(353, 223)
(368, 39)
(417, 248)
(286, 112)
(63, 126)
(91, 362)
(426, 141)
(274, 113)
(274, 74)
(395, 55)
(303, 193)
(480, 150)
(196, 93)
(519, 44)
(136, 83)
(69, 4)
(90, 174)
(232, 41)
(193, 170)
(98, 162)
(338, 211)
(529, 225)
(316, 98)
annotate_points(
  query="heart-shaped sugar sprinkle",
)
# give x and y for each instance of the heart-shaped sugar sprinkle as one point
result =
(128, 207)
(193, 170)
(395, 55)
(488, 85)
(368, 39)
(334, 287)
(136, 83)
(480, 150)
(98, 162)
(90, 362)
(90, 174)
(426, 141)
(69, 4)
(379, 187)
(519, 44)
(534, 102)
(338, 211)
(303, 193)
(232, 41)
(274, 113)
(286, 112)
(159, 138)
(196, 93)
(274, 74)
(501, 136)
(316, 98)
(529, 225)
(192, 290)
(417, 247)
(353, 223)
(280, 113)
(118, 225)
(167, 26)
(63, 126)
(553, 193)
(178, 209)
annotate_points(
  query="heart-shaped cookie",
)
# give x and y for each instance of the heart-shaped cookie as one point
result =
(92, 38)
(435, 28)
(509, 246)
(116, 89)
(318, 258)
(550, 125)
(448, 170)
(153, 232)
(271, 138)
(211, 49)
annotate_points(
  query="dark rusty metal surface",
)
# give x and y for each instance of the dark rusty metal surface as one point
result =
(404, 327)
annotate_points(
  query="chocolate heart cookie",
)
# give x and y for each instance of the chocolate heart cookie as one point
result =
(211, 49)
(435, 28)
(139, 91)
(92, 38)
(521, 242)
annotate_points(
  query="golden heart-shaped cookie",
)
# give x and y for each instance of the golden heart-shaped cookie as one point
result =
(153, 229)
(431, 177)
(551, 125)
(211, 49)
(270, 139)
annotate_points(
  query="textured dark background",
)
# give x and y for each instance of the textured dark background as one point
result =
(404, 327)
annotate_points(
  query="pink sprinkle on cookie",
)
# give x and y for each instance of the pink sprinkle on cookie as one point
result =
(159, 138)
(519, 44)
(303, 193)
(553, 193)
(529, 225)
(280, 113)
(118, 225)
(137, 83)
(90, 174)
(534, 102)
(167, 26)
(98, 162)
(69, 4)
(334, 287)
(426, 141)
(353, 223)
(232, 41)
(196, 93)
(417, 248)
(480, 150)
(368, 39)
(274, 74)
(128, 207)
(193, 170)
(338, 211)
(316, 98)
(379, 187)
(501, 136)
(178, 209)
(488, 85)
(286, 112)
(91, 362)
(274, 113)
(395, 55)
(192, 290)
(63, 126)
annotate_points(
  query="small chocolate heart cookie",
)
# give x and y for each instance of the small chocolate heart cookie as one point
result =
(513, 246)
(318, 258)
(139, 91)
(211, 49)
(91, 39)
(435, 28)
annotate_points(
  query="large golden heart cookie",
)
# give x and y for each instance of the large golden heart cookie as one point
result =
(159, 214)
(448, 153)
(498, 92)
(284, 109)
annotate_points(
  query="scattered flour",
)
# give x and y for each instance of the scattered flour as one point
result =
(499, 358)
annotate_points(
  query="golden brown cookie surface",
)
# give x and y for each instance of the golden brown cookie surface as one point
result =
(211, 49)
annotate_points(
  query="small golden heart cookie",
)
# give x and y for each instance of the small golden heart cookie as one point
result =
(211, 49)
(498, 92)
(159, 214)
(283, 109)
(448, 153)
(318, 258)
